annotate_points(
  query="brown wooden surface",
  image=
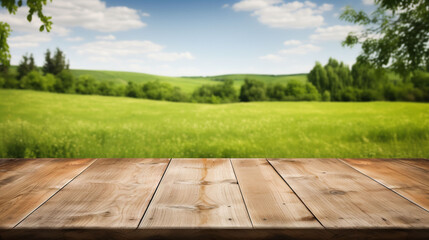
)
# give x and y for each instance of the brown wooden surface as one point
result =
(112, 193)
(421, 163)
(406, 177)
(197, 193)
(214, 199)
(341, 197)
(25, 184)
(270, 201)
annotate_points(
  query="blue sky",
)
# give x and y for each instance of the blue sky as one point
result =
(190, 37)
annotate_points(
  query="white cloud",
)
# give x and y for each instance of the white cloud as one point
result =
(226, 5)
(110, 49)
(278, 14)
(74, 39)
(334, 33)
(169, 57)
(145, 14)
(271, 57)
(292, 42)
(368, 2)
(325, 7)
(106, 37)
(28, 40)
(310, 4)
(88, 14)
(295, 48)
(103, 51)
(253, 5)
(301, 49)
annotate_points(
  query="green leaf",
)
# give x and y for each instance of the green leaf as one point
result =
(29, 17)
(42, 28)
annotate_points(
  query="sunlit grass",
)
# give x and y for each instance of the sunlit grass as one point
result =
(39, 124)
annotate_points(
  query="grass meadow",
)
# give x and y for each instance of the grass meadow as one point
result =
(40, 124)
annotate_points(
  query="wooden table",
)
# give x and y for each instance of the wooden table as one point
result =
(214, 198)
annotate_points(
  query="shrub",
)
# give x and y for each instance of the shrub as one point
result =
(252, 90)
(219, 93)
(371, 95)
(349, 94)
(34, 80)
(132, 90)
(86, 85)
(403, 92)
(106, 89)
(420, 79)
(293, 91)
(64, 82)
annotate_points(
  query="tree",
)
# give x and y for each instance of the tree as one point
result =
(55, 64)
(34, 7)
(395, 34)
(26, 66)
(4, 46)
(318, 77)
(367, 77)
(4, 69)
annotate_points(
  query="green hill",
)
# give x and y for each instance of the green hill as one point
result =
(187, 84)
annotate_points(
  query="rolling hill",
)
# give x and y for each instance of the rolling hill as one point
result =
(187, 84)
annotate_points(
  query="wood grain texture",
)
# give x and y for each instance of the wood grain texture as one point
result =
(341, 197)
(270, 201)
(421, 163)
(403, 177)
(197, 193)
(26, 183)
(112, 193)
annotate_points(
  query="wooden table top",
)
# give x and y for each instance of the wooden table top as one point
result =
(222, 198)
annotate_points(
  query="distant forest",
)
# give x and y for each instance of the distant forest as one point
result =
(334, 81)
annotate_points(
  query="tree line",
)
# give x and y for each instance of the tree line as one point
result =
(363, 82)
(333, 82)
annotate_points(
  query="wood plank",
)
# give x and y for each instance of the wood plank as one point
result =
(197, 193)
(341, 197)
(270, 201)
(27, 183)
(400, 176)
(112, 193)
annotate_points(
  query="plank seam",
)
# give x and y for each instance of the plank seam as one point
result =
(154, 192)
(296, 194)
(347, 164)
(242, 196)
(67, 183)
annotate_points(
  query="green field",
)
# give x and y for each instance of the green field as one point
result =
(187, 84)
(40, 124)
